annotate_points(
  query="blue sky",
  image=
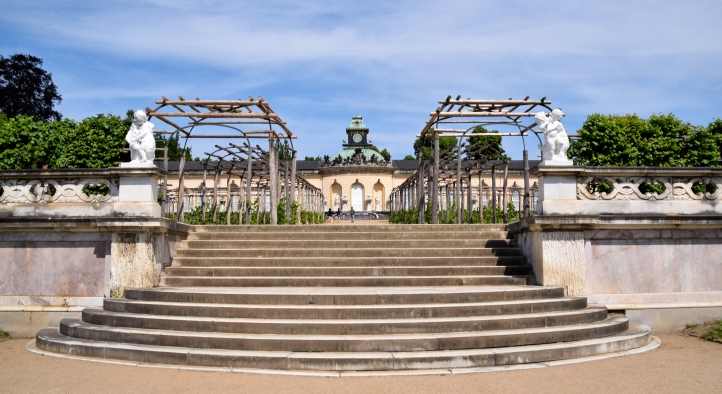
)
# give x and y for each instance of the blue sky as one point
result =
(319, 63)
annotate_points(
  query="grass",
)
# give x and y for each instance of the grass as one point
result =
(710, 331)
(714, 334)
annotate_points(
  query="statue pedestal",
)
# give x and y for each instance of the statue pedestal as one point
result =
(556, 163)
(138, 192)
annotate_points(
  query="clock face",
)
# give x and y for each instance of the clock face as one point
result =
(357, 138)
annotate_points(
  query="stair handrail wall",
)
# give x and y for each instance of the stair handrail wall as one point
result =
(642, 239)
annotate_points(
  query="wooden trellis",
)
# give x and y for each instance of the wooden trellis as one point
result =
(245, 120)
(460, 118)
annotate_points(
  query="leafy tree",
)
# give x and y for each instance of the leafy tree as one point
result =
(424, 147)
(409, 157)
(715, 129)
(94, 142)
(386, 154)
(312, 158)
(24, 143)
(26, 88)
(174, 149)
(484, 148)
(659, 141)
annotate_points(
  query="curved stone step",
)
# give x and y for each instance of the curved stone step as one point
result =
(222, 261)
(355, 235)
(344, 296)
(349, 252)
(344, 326)
(347, 271)
(51, 340)
(346, 243)
(315, 311)
(342, 281)
(347, 343)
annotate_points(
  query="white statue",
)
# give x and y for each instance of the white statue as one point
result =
(556, 140)
(141, 141)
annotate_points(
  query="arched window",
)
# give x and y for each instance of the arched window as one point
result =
(336, 193)
(357, 197)
(378, 198)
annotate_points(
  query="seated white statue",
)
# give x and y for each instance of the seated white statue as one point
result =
(556, 140)
(141, 140)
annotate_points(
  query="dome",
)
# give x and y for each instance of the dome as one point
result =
(368, 152)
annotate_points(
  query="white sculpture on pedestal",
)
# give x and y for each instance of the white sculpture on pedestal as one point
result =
(141, 141)
(556, 140)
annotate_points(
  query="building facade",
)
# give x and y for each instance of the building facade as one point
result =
(359, 177)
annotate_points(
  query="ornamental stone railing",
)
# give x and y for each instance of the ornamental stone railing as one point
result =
(644, 240)
(112, 192)
(630, 190)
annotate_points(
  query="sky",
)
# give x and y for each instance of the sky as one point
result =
(320, 62)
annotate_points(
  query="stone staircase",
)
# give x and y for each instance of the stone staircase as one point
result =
(339, 298)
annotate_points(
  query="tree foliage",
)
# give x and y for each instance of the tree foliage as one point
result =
(386, 154)
(27, 89)
(480, 147)
(409, 157)
(95, 142)
(659, 141)
(175, 151)
(424, 146)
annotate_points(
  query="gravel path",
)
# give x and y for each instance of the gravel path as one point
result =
(680, 365)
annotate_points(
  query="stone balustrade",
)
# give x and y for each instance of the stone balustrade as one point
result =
(644, 240)
(111, 192)
(625, 191)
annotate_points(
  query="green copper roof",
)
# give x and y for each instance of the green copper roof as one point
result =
(357, 123)
(368, 152)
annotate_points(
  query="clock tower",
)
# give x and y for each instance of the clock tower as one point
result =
(357, 133)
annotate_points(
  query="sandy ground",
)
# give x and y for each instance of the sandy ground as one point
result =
(680, 365)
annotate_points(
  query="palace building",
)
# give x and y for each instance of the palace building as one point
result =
(358, 177)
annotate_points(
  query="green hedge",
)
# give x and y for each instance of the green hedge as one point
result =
(257, 217)
(411, 216)
(94, 142)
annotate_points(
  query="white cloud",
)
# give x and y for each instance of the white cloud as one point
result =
(321, 61)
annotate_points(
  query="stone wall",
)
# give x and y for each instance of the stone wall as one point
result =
(63, 249)
(654, 255)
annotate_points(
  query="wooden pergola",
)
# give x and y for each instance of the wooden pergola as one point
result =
(250, 166)
(460, 118)
(228, 120)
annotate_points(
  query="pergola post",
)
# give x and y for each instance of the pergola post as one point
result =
(469, 199)
(505, 214)
(526, 183)
(216, 177)
(293, 189)
(435, 183)
(273, 178)
(420, 192)
(493, 193)
(287, 190)
(203, 194)
(249, 178)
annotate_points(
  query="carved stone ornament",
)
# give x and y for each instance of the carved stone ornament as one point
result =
(628, 188)
(92, 191)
